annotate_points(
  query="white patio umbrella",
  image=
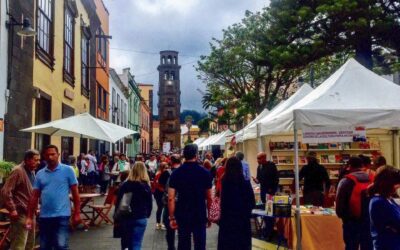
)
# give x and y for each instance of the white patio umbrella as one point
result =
(84, 126)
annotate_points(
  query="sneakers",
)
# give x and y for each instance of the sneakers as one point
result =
(160, 226)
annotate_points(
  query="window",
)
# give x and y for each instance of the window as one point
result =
(85, 63)
(170, 114)
(113, 105)
(166, 75)
(104, 104)
(163, 60)
(125, 116)
(68, 46)
(102, 46)
(99, 95)
(170, 101)
(67, 143)
(118, 109)
(169, 59)
(122, 112)
(175, 61)
(172, 76)
(44, 38)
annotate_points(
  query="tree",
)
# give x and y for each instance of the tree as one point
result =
(239, 75)
(314, 29)
(196, 116)
(204, 124)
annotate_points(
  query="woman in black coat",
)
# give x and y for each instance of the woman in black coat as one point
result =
(237, 201)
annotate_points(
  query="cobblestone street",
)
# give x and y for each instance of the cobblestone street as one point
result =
(100, 237)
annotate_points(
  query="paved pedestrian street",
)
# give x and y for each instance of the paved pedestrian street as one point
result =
(100, 237)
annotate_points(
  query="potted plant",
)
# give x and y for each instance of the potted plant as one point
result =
(5, 170)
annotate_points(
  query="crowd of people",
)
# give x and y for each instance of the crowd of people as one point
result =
(182, 187)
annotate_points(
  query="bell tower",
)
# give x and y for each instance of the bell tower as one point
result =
(169, 95)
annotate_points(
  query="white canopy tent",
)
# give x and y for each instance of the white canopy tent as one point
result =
(202, 145)
(241, 133)
(84, 126)
(352, 96)
(251, 131)
(215, 140)
(199, 140)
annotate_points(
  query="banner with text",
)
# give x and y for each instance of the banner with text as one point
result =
(327, 135)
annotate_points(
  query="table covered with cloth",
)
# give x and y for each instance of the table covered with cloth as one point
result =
(318, 232)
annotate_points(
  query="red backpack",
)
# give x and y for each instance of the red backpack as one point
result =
(356, 195)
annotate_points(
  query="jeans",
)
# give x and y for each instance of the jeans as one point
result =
(185, 232)
(54, 233)
(356, 235)
(170, 234)
(158, 197)
(20, 237)
(132, 233)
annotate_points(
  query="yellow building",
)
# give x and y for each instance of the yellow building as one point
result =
(194, 134)
(60, 68)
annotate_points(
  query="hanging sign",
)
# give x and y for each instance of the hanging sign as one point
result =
(1, 125)
(327, 135)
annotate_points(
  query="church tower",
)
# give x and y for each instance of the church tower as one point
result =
(169, 96)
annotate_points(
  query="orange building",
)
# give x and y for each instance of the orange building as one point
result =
(144, 127)
(99, 70)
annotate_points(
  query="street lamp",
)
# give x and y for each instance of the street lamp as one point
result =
(25, 31)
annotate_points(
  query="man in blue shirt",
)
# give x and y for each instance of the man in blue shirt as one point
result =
(52, 186)
(245, 165)
(191, 183)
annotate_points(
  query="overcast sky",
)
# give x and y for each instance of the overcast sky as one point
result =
(141, 28)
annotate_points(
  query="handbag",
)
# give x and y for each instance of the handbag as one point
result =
(215, 210)
(124, 208)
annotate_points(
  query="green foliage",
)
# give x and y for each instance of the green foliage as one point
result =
(204, 124)
(258, 60)
(6, 167)
(188, 142)
(196, 116)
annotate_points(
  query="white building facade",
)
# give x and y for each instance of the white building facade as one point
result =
(3, 71)
(118, 102)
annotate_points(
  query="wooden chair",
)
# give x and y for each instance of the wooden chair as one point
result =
(104, 210)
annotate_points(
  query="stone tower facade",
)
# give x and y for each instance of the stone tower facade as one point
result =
(169, 94)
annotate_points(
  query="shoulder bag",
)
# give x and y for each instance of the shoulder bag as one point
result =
(124, 209)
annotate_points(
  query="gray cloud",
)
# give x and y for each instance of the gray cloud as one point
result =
(144, 27)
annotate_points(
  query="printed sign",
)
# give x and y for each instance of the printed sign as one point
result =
(166, 147)
(326, 135)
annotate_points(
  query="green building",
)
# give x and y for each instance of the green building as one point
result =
(133, 111)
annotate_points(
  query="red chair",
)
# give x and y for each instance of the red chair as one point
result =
(104, 210)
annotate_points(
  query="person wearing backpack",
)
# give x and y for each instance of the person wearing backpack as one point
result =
(352, 206)
(164, 180)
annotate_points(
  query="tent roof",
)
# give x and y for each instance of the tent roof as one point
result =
(352, 96)
(239, 134)
(217, 139)
(199, 140)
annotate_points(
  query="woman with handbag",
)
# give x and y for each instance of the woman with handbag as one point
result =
(237, 202)
(133, 207)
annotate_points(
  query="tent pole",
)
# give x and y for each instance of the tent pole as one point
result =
(259, 140)
(296, 172)
(243, 142)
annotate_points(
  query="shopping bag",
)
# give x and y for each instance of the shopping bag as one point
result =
(215, 210)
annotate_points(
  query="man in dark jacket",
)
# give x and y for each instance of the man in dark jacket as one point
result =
(267, 176)
(352, 207)
(192, 184)
(315, 177)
